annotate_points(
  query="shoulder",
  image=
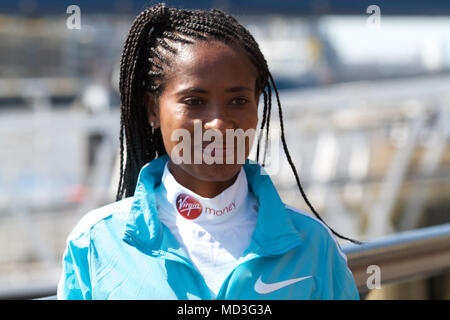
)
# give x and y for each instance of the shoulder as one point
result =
(119, 208)
(315, 229)
(336, 277)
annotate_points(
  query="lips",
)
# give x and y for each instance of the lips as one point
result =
(205, 144)
(214, 150)
(211, 152)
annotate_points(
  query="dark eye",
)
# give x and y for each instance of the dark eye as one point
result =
(193, 101)
(239, 101)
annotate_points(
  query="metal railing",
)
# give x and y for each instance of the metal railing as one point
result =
(401, 257)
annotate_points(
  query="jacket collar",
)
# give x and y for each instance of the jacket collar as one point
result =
(274, 232)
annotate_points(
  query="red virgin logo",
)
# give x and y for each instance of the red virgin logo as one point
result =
(188, 206)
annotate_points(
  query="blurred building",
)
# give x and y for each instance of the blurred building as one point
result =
(366, 118)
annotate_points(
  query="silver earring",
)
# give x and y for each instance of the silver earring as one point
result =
(152, 124)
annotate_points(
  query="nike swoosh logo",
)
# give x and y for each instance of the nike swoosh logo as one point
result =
(264, 288)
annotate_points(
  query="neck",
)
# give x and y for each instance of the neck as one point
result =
(206, 189)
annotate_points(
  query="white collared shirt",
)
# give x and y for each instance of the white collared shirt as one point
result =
(213, 231)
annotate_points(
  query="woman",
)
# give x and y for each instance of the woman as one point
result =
(190, 228)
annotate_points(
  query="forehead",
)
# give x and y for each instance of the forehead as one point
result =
(210, 63)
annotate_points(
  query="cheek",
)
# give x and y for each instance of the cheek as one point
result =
(250, 120)
(173, 119)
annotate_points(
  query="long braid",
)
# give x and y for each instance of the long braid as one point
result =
(146, 57)
(269, 109)
(263, 123)
(134, 58)
(294, 170)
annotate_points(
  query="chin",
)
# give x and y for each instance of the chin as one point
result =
(214, 172)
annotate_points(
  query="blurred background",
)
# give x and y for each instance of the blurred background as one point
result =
(365, 91)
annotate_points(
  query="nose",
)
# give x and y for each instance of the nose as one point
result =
(219, 124)
(219, 120)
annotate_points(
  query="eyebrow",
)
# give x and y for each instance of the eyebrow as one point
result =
(198, 90)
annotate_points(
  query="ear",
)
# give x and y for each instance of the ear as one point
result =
(152, 107)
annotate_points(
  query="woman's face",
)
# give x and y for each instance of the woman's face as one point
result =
(212, 86)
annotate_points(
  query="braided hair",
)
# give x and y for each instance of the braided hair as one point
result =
(145, 60)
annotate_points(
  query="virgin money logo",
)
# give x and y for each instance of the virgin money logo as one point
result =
(218, 213)
(188, 207)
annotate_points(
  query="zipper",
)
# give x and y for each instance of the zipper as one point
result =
(173, 257)
(253, 257)
(168, 256)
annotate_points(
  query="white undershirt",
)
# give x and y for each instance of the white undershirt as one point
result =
(213, 231)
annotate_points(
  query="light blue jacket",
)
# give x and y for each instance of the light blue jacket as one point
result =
(123, 251)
